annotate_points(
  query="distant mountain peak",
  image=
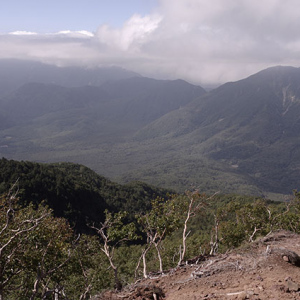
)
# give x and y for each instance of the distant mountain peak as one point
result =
(15, 73)
(283, 72)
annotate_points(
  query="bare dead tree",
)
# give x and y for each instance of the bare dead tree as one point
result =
(214, 240)
(143, 258)
(157, 224)
(196, 202)
(155, 238)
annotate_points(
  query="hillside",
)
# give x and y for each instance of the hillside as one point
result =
(266, 269)
(74, 191)
(37, 242)
(50, 123)
(247, 130)
(239, 138)
(251, 126)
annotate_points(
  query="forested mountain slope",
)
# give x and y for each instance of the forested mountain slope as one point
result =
(74, 191)
(248, 128)
(47, 122)
(242, 137)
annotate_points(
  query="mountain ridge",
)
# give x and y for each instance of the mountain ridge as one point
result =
(240, 137)
(16, 72)
(250, 120)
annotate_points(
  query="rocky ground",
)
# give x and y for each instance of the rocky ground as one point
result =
(266, 269)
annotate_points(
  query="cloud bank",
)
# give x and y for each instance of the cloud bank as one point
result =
(205, 42)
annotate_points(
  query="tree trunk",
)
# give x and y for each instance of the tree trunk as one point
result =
(214, 240)
(118, 284)
(142, 257)
(184, 234)
(145, 262)
(159, 258)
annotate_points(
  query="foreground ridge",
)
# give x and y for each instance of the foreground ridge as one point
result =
(265, 269)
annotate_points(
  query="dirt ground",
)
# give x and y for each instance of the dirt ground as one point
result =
(266, 269)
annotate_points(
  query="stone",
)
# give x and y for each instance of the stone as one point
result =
(242, 296)
(292, 286)
(286, 258)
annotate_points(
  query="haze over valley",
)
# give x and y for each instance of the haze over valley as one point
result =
(238, 138)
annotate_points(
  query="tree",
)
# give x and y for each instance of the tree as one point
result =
(16, 227)
(53, 248)
(244, 222)
(35, 250)
(87, 268)
(214, 236)
(113, 232)
(160, 221)
(193, 204)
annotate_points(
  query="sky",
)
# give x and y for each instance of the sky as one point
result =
(203, 42)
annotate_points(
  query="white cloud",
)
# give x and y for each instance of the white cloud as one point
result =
(80, 33)
(22, 33)
(134, 32)
(197, 40)
(225, 40)
(59, 49)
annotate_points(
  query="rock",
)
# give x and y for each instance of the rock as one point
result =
(280, 288)
(288, 256)
(242, 296)
(292, 286)
(285, 258)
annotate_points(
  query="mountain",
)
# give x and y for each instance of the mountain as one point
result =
(242, 137)
(52, 116)
(249, 128)
(87, 124)
(138, 98)
(14, 73)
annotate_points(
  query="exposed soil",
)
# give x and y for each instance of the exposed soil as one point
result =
(266, 269)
